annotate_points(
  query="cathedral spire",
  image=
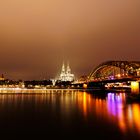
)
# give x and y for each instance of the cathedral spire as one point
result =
(66, 74)
(68, 69)
(63, 68)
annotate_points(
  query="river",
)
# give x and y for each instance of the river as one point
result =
(69, 114)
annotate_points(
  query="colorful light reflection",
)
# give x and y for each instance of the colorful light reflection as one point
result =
(128, 116)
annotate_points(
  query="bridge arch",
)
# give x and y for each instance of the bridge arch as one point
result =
(115, 69)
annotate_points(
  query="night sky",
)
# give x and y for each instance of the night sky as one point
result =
(36, 36)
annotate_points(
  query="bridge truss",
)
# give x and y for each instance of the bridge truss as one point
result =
(115, 70)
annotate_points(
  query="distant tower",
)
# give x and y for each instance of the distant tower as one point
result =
(65, 74)
(62, 75)
(68, 71)
(2, 77)
(63, 69)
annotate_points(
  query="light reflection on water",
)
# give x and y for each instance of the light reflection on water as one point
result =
(112, 108)
(127, 115)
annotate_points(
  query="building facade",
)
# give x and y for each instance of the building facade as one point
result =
(66, 74)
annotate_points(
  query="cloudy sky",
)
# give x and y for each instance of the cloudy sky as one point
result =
(36, 36)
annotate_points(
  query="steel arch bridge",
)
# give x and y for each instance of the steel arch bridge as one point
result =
(110, 70)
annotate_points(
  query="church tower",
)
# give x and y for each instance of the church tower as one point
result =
(2, 77)
(68, 71)
(63, 69)
(66, 74)
(62, 74)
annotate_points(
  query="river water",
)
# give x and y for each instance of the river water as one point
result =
(68, 114)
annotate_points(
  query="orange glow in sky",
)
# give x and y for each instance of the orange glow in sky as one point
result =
(37, 35)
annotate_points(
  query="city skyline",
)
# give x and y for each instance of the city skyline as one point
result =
(36, 36)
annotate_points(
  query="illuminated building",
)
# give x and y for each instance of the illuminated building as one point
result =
(66, 74)
(2, 77)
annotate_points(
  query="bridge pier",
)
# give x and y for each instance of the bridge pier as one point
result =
(135, 88)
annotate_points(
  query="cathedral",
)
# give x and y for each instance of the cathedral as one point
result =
(66, 74)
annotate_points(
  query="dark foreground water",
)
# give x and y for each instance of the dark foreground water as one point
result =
(68, 115)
